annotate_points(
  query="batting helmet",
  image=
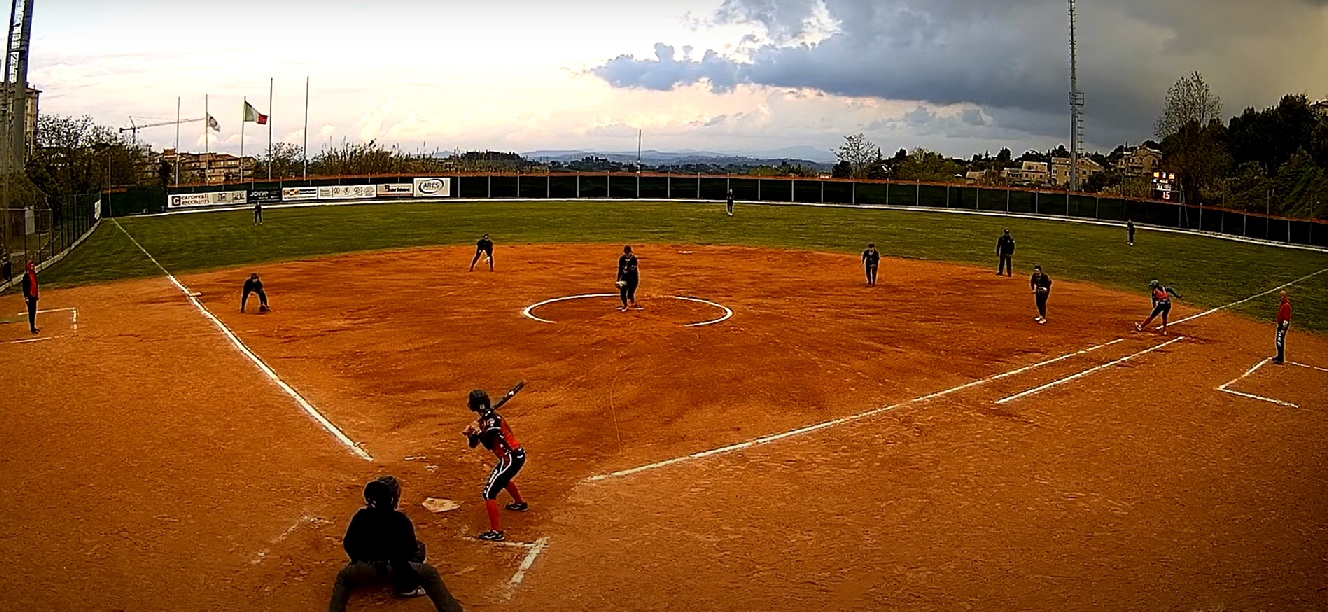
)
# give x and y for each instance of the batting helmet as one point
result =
(478, 400)
(1153, 283)
(383, 492)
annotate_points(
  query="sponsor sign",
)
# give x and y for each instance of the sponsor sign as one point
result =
(347, 192)
(296, 194)
(396, 189)
(432, 188)
(212, 198)
(264, 196)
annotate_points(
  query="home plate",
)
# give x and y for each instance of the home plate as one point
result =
(433, 504)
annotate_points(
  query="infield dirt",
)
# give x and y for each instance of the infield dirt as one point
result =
(151, 466)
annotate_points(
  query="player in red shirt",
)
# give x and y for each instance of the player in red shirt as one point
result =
(492, 431)
(1161, 305)
(1283, 322)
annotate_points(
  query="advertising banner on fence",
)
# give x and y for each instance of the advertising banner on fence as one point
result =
(432, 188)
(265, 196)
(296, 194)
(347, 192)
(213, 198)
(396, 190)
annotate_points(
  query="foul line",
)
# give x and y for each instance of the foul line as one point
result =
(526, 563)
(1061, 381)
(842, 420)
(31, 340)
(1308, 366)
(1252, 297)
(309, 409)
(728, 312)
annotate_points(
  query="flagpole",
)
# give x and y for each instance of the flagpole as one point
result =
(244, 116)
(271, 81)
(207, 126)
(177, 139)
(306, 128)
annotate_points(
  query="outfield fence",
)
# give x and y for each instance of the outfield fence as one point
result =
(45, 234)
(790, 190)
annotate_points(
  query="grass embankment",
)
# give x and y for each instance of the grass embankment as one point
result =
(1207, 271)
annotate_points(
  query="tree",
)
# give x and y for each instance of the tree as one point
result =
(285, 159)
(1188, 100)
(74, 156)
(859, 154)
(924, 165)
(1004, 158)
(1198, 155)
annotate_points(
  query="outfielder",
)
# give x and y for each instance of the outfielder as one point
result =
(871, 258)
(628, 278)
(1005, 250)
(1161, 305)
(729, 202)
(1040, 283)
(483, 247)
(1283, 322)
(492, 431)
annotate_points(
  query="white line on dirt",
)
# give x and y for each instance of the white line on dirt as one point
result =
(308, 408)
(1308, 366)
(1061, 381)
(262, 554)
(1224, 386)
(728, 312)
(842, 420)
(31, 340)
(526, 563)
(1260, 398)
(73, 316)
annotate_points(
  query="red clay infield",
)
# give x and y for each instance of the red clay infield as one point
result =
(148, 465)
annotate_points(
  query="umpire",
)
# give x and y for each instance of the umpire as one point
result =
(1005, 250)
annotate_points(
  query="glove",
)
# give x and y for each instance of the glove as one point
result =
(620, 283)
(419, 552)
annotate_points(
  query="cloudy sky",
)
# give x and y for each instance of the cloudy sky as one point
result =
(959, 76)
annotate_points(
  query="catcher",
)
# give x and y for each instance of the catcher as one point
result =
(628, 278)
(491, 430)
(381, 544)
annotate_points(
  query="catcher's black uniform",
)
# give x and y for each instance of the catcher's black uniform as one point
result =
(628, 277)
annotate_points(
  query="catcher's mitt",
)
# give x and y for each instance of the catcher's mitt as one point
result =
(620, 284)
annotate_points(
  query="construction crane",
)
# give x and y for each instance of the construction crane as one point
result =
(134, 128)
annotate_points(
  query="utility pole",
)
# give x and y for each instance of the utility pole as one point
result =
(1076, 105)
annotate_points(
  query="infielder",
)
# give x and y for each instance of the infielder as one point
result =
(253, 285)
(1161, 305)
(483, 247)
(628, 278)
(492, 431)
(871, 259)
(1040, 283)
(1283, 322)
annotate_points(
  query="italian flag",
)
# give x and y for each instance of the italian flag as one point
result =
(252, 114)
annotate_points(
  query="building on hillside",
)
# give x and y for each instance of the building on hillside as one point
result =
(30, 122)
(219, 167)
(1031, 173)
(1320, 107)
(1060, 170)
(1140, 161)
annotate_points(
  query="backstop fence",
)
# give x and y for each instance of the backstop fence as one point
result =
(773, 190)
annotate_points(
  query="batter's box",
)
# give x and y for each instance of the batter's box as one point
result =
(54, 323)
(1265, 395)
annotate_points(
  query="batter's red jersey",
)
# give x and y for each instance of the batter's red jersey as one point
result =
(496, 435)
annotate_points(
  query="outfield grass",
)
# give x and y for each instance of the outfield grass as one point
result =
(1206, 271)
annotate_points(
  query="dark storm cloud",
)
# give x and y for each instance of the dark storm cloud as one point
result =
(1011, 57)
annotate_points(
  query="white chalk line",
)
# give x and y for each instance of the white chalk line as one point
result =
(308, 408)
(73, 317)
(1252, 297)
(31, 340)
(526, 563)
(842, 420)
(262, 554)
(1225, 387)
(728, 313)
(1308, 366)
(1259, 397)
(1061, 381)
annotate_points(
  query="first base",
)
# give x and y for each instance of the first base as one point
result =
(433, 504)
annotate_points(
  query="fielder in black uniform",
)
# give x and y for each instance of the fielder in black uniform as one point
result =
(483, 247)
(1005, 250)
(1040, 283)
(871, 258)
(258, 213)
(1129, 229)
(253, 285)
(730, 203)
(381, 544)
(628, 278)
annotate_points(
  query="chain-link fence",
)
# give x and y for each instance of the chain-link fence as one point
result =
(43, 234)
(950, 196)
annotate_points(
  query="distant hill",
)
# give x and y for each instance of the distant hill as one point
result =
(810, 157)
